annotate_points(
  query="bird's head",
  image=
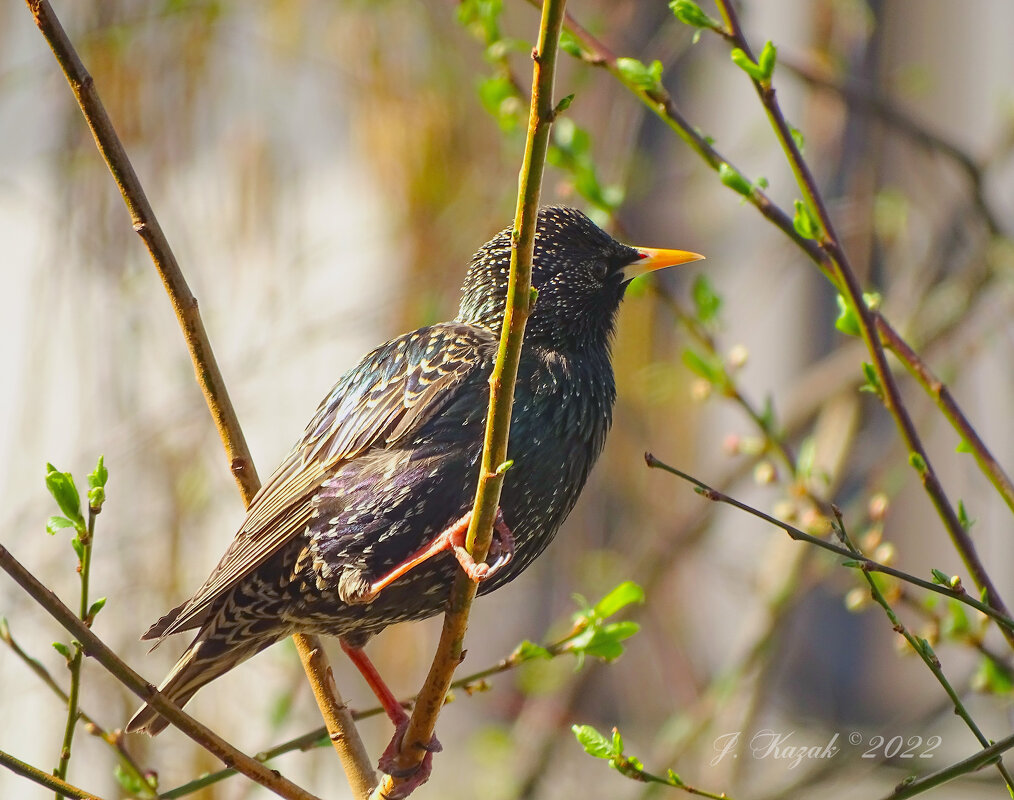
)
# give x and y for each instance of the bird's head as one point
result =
(580, 273)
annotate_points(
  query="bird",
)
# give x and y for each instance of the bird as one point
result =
(362, 524)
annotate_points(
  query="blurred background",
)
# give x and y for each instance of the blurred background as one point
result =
(324, 171)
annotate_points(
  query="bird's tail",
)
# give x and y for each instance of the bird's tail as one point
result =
(205, 659)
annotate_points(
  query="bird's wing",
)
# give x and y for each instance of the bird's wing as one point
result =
(391, 393)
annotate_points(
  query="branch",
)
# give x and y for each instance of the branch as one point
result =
(114, 740)
(975, 762)
(866, 565)
(501, 397)
(938, 390)
(61, 787)
(862, 562)
(847, 282)
(345, 737)
(95, 648)
(663, 105)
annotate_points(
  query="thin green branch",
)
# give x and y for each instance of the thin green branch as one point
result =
(862, 562)
(95, 648)
(61, 787)
(345, 737)
(848, 283)
(983, 758)
(924, 651)
(86, 537)
(494, 456)
(114, 740)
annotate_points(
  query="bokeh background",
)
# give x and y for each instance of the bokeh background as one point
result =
(324, 171)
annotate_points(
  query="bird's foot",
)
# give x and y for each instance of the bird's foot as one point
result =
(452, 538)
(411, 778)
(501, 550)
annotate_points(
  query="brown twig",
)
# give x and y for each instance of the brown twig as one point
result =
(938, 390)
(346, 738)
(491, 473)
(95, 648)
(862, 562)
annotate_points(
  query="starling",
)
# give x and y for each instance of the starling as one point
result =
(361, 526)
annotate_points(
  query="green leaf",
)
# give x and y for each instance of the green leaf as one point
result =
(917, 462)
(941, 577)
(963, 518)
(527, 651)
(673, 779)
(569, 44)
(617, 742)
(707, 301)
(851, 562)
(689, 13)
(622, 596)
(98, 476)
(634, 72)
(955, 622)
(743, 61)
(54, 524)
(797, 137)
(96, 607)
(992, 677)
(593, 742)
(848, 321)
(766, 61)
(804, 221)
(732, 178)
(78, 547)
(710, 369)
(61, 486)
(963, 447)
(564, 104)
(62, 649)
(872, 380)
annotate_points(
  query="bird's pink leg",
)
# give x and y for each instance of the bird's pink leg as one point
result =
(396, 713)
(453, 538)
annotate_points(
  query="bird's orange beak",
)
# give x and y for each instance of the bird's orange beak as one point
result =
(650, 260)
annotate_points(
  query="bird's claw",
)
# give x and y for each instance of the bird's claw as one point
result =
(412, 777)
(501, 551)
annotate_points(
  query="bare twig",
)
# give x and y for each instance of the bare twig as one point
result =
(494, 455)
(94, 647)
(61, 787)
(862, 562)
(346, 739)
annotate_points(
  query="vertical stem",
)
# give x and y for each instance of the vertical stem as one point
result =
(494, 455)
(85, 537)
